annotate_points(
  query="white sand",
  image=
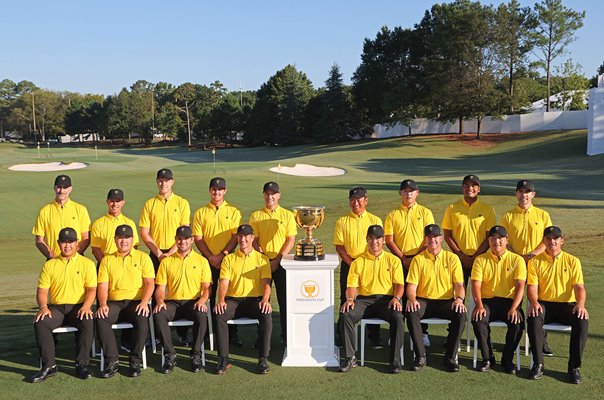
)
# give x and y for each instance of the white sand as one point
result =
(51, 166)
(308, 170)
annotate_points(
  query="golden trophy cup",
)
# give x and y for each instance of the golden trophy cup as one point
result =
(309, 218)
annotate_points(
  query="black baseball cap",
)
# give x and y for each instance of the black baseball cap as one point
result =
(271, 186)
(498, 230)
(408, 184)
(218, 182)
(124, 231)
(63, 181)
(184, 231)
(164, 173)
(552, 231)
(67, 235)
(357, 192)
(115, 194)
(375, 230)
(525, 185)
(245, 229)
(432, 230)
(471, 178)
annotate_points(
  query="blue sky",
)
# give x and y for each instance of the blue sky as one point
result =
(102, 46)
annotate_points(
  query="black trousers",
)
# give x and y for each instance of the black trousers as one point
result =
(497, 309)
(64, 314)
(181, 330)
(239, 307)
(123, 311)
(372, 307)
(374, 330)
(440, 309)
(561, 313)
(181, 309)
(279, 279)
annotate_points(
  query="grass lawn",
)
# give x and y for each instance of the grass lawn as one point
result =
(570, 186)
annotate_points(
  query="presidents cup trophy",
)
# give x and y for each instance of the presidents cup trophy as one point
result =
(309, 218)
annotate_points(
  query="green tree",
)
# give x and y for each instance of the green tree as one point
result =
(278, 116)
(571, 87)
(460, 60)
(10, 118)
(86, 114)
(514, 40)
(331, 111)
(184, 98)
(387, 84)
(556, 30)
(118, 117)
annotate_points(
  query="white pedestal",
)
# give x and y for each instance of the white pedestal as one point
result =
(595, 123)
(310, 312)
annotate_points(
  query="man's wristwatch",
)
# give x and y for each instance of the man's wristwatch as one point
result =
(460, 298)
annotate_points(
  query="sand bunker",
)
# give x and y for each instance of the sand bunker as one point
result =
(309, 170)
(51, 166)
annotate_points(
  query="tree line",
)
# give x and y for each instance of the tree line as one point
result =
(463, 60)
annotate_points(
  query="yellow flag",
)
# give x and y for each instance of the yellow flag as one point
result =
(214, 151)
(279, 167)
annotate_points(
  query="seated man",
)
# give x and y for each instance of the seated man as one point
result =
(187, 277)
(498, 278)
(556, 293)
(375, 289)
(70, 279)
(244, 290)
(126, 282)
(435, 288)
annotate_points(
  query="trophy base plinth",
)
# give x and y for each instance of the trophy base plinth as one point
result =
(309, 250)
(317, 257)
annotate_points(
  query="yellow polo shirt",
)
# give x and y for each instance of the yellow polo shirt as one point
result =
(184, 276)
(125, 274)
(435, 276)
(498, 274)
(469, 223)
(245, 273)
(102, 234)
(525, 228)
(373, 275)
(163, 216)
(271, 228)
(555, 277)
(67, 280)
(351, 232)
(54, 217)
(216, 225)
(406, 225)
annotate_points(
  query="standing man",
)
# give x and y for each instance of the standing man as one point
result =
(160, 218)
(126, 282)
(350, 240)
(186, 277)
(244, 291)
(498, 279)
(66, 291)
(525, 224)
(404, 228)
(435, 288)
(275, 235)
(556, 293)
(466, 224)
(103, 229)
(58, 214)
(375, 290)
(214, 230)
